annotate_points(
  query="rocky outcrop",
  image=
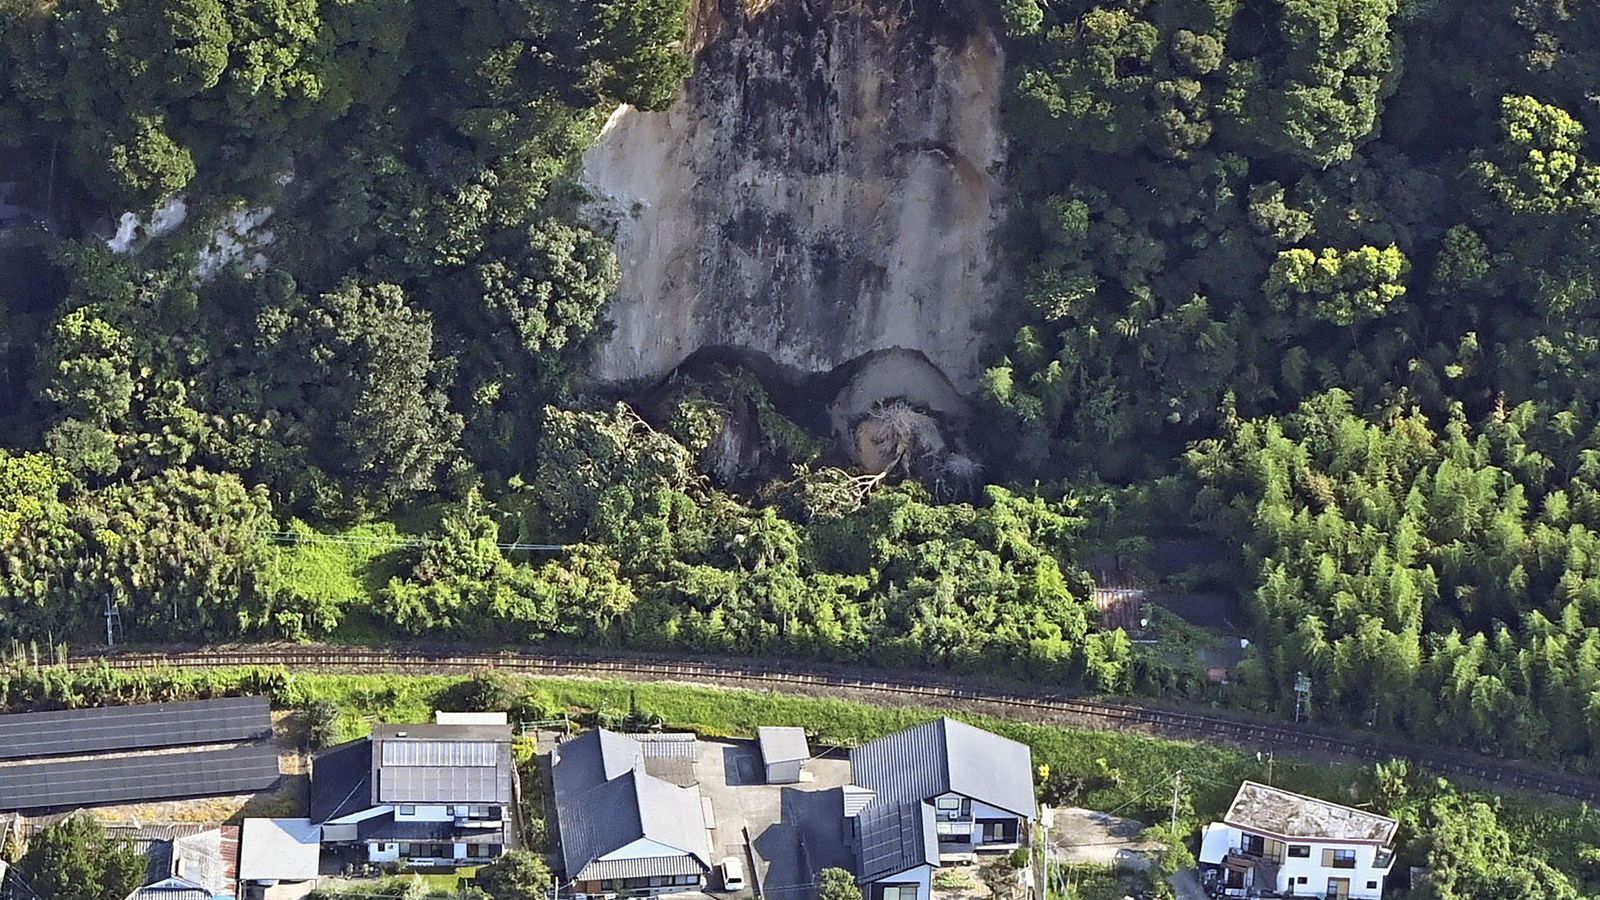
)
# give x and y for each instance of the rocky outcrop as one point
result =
(829, 185)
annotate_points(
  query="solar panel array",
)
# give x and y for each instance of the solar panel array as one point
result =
(144, 727)
(164, 776)
(442, 784)
(438, 753)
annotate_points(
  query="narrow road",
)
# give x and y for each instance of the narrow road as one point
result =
(891, 688)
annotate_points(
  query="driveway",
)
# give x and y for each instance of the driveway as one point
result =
(793, 830)
(1089, 836)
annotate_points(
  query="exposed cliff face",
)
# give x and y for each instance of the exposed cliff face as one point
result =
(829, 185)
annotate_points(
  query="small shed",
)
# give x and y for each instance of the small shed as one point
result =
(280, 857)
(784, 752)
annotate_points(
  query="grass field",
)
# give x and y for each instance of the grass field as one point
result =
(1125, 771)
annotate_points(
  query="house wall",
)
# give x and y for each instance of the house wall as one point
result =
(784, 772)
(422, 813)
(921, 877)
(1310, 867)
(969, 824)
(382, 852)
(636, 887)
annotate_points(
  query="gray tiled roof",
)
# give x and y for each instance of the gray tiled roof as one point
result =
(945, 756)
(655, 866)
(606, 799)
(671, 757)
(592, 758)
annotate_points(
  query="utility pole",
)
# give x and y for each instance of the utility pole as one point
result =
(112, 615)
(1269, 759)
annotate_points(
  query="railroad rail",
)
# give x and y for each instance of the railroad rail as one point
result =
(1304, 739)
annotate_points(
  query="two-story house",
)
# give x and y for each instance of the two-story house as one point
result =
(1278, 841)
(933, 795)
(629, 814)
(430, 795)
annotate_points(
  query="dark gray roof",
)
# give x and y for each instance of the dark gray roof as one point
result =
(593, 758)
(783, 744)
(655, 866)
(108, 729)
(632, 806)
(442, 764)
(893, 837)
(92, 782)
(947, 756)
(341, 780)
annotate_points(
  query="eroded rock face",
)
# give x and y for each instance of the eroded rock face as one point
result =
(829, 185)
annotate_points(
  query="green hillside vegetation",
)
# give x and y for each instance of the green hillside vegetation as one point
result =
(1312, 278)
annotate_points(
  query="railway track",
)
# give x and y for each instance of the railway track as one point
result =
(930, 690)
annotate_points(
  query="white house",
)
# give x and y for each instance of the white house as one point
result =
(929, 796)
(629, 814)
(1298, 846)
(433, 795)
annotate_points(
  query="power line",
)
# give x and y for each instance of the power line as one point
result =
(398, 543)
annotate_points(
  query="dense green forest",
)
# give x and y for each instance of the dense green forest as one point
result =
(1312, 278)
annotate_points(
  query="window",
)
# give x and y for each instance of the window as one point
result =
(407, 810)
(898, 892)
(949, 803)
(1300, 851)
(1302, 879)
(1372, 885)
(954, 832)
(1339, 859)
(997, 831)
(1253, 844)
(405, 850)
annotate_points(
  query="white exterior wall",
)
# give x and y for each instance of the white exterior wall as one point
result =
(921, 876)
(1316, 874)
(1291, 869)
(422, 813)
(981, 811)
(382, 853)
